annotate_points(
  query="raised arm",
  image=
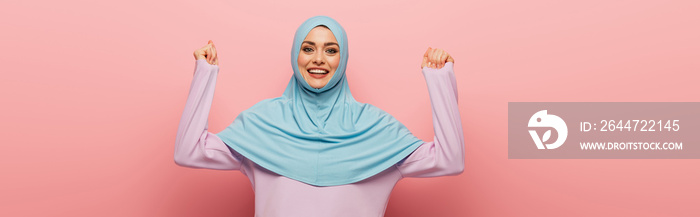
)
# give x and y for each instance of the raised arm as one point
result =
(444, 155)
(194, 145)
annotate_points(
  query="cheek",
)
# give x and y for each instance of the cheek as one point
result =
(334, 61)
(300, 61)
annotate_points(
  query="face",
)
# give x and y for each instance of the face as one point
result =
(319, 57)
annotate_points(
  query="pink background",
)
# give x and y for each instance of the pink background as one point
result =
(92, 93)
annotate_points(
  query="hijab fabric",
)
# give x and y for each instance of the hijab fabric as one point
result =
(322, 136)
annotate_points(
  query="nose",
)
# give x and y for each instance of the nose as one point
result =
(319, 59)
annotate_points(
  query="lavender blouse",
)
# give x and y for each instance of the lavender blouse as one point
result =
(276, 195)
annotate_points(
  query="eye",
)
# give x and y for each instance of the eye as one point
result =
(332, 51)
(307, 49)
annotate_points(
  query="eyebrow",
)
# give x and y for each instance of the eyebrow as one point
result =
(326, 44)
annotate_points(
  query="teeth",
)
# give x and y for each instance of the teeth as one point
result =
(318, 71)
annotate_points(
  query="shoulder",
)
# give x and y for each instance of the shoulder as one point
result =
(372, 112)
(266, 106)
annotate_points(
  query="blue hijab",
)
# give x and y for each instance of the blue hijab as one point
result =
(323, 136)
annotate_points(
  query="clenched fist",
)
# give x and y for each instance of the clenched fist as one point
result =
(207, 52)
(436, 58)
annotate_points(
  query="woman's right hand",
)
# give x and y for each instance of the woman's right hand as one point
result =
(436, 58)
(207, 52)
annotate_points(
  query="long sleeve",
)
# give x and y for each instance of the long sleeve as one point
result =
(444, 155)
(194, 145)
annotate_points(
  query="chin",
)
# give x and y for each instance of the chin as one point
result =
(317, 85)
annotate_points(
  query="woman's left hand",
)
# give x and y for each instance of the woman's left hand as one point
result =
(436, 58)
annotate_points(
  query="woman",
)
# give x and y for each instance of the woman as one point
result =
(315, 151)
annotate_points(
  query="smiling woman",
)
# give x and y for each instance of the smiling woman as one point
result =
(315, 151)
(319, 57)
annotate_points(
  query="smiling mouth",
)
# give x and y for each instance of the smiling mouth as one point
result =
(317, 71)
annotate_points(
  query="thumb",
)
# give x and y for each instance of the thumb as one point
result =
(425, 58)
